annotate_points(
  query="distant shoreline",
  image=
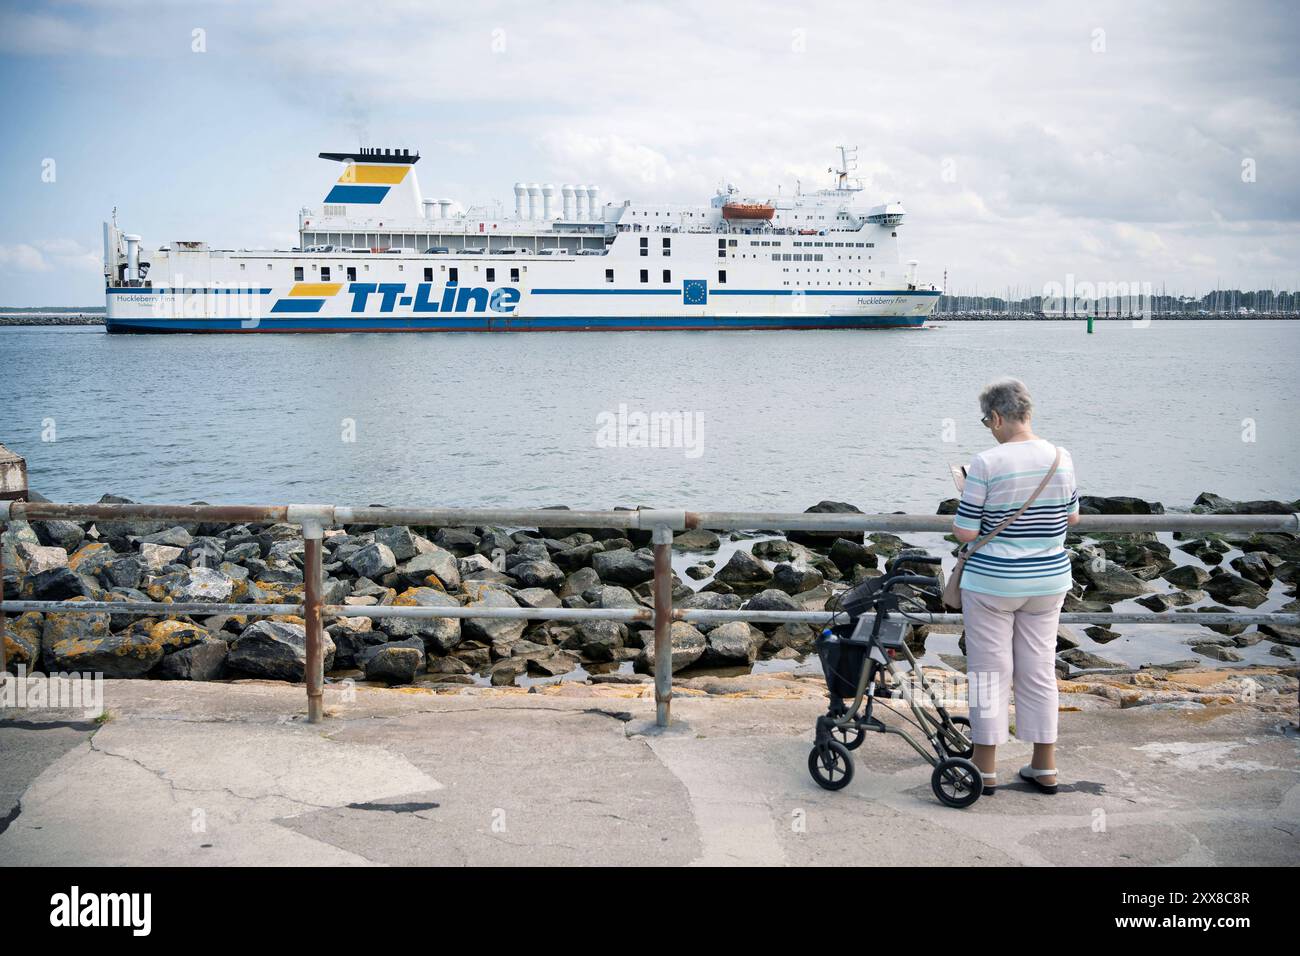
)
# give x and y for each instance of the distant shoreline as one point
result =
(88, 317)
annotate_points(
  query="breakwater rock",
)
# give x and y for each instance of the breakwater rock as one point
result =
(370, 566)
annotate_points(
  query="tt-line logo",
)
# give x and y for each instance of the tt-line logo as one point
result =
(75, 909)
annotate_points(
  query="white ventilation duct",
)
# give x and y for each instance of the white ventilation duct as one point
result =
(570, 202)
(430, 209)
(132, 256)
(521, 199)
(580, 193)
(534, 201)
(444, 208)
(548, 201)
(593, 202)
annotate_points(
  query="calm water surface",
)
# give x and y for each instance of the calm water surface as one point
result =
(785, 418)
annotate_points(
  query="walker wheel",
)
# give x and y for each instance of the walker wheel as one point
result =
(831, 765)
(851, 737)
(957, 782)
(962, 724)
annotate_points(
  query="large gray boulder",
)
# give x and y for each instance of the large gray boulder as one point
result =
(624, 566)
(744, 573)
(1187, 576)
(41, 558)
(580, 581)
(203, 585)
(372, 561)
(438, 562)
(493, 630)
(394, 663)
(398, 540)
(772, 600)
(440, 634)
(205, 661)
(1235, 591)
(735, 643)
(687, 644)
(825, 539)
(1108, 578)
(538, 574)
(276, 650)
(795, 580)
(81, 643)
(598, 640)
(67, 535)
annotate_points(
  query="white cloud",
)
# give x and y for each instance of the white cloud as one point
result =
(48, 255)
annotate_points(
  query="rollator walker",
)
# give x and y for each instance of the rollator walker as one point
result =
(857, 655)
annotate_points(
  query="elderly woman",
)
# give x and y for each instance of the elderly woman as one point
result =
(1013, 587)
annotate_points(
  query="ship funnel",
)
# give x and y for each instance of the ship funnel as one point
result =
(548, 201)
(521, 200)
(132, 256)
(580, 193)
(570, 202)
(534, 201)
(593, 201)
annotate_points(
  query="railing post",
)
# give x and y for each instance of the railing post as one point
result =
(663, 595)
(312, 533)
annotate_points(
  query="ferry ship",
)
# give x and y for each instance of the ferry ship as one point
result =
(378, 256)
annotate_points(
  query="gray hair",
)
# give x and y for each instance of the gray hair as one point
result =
(1009, 398)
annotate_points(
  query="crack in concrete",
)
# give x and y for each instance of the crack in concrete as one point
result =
(175, 788)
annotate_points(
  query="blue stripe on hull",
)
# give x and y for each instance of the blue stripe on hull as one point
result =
(497, 323)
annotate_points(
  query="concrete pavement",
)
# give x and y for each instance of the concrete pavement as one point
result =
(194, 773)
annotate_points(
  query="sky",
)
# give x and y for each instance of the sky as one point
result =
(1029, 142)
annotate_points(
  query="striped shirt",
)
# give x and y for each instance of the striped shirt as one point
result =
(1029, 557)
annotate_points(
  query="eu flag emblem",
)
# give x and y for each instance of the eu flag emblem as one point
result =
(695, 292)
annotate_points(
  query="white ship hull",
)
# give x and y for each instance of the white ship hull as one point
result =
(811, 265)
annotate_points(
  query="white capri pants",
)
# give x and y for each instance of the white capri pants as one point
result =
(1011, 641)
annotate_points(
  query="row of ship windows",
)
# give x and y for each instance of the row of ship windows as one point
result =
(805, 243)
(350, 272)
(490, 274)
(669, 214)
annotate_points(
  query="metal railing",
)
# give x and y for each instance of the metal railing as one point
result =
(662, 523)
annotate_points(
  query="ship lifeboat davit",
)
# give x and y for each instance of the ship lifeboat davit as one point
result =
(748, 210)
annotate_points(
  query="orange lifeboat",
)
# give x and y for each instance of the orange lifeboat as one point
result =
(748, 210)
